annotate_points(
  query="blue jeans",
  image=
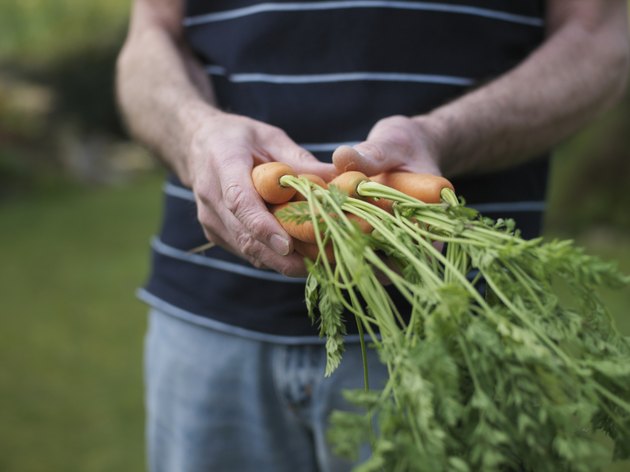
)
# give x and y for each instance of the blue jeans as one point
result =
(223, 403)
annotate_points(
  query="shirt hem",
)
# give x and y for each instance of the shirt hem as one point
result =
(167, 308)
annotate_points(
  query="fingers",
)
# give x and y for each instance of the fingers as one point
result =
(227, 232)
(251, 230)
(241, 201)
(230, 210)
(284, 149)
(394, 143)
(369, 157)
(324, 170)
(390, 145)
(346, 158)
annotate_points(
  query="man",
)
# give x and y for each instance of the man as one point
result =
(477, 92)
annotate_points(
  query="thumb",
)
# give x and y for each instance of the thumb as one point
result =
(313, 166)
(302, 161)
(368, 157)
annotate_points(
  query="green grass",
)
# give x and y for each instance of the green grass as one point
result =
(71, 329)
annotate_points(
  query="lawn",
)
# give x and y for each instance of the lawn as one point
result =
(71, 336)
(71, 328)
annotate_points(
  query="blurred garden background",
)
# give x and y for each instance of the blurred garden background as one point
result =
(78, 204)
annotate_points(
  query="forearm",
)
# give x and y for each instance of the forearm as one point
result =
(162, 92)
(167, 102)
(579, 71)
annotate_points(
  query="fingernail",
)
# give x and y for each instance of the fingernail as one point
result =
(279, 244)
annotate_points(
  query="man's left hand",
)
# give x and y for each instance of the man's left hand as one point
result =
(396, 143)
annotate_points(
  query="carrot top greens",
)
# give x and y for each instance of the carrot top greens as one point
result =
(492, 369)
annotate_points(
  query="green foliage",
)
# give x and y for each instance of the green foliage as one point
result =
(296, 213)
(38, 31)
(511, 378)
(70, 343)
(332, 326)
(57, 107)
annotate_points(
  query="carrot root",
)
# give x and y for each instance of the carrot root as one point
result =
(348, 182)
(424, 187)
(266, 180)
(316, 179)
(311, 251)
(304, 231)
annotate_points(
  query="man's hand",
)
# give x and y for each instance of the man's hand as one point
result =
(223, 149)
(168, 103)
(580, 70)
(396, 143)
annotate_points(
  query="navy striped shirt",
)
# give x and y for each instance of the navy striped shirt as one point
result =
(325, 72)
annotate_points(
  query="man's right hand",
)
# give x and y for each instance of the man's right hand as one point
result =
(168, 104)
(222, 150)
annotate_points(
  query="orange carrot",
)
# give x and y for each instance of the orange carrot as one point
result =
(348, 182)
(303, 231)
(424, 187)
(311, 251)
(363, 225)
(382, 203)
(316, 179)
(266, 179)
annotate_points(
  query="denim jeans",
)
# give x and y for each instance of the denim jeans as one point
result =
(223, 403)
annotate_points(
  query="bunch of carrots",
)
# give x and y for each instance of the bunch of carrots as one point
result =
(285, 199)
(505, 360)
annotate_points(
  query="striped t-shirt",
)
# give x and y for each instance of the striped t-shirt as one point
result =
(326, 72)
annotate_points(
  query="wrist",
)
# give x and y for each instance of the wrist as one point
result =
(192, 118)
(433, 130)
